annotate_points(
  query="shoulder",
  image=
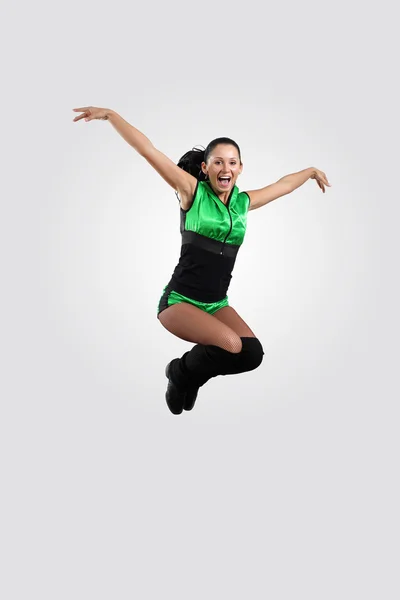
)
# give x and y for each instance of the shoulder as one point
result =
(243, 197)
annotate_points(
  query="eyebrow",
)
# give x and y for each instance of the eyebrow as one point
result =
(232, 158)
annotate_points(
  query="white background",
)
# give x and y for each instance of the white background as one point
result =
(282, 482)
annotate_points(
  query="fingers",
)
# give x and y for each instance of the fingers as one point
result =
(85, 111)
(322, 180)
(90, 113)
(325, 179)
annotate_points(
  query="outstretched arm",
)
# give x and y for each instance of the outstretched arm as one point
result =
(286, 185)
(180, 180)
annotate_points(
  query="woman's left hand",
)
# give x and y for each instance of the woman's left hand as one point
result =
(321, 179)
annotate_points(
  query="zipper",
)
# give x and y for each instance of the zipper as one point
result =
(229, 232)
(230, 216)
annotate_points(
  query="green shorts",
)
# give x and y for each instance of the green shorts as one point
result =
(170, 297)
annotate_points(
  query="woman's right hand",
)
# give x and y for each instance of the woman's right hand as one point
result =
(91, 112)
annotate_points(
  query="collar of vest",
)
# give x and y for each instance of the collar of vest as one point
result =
(234, 193)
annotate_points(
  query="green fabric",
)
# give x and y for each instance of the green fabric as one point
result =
(209, 216)
(209, 307)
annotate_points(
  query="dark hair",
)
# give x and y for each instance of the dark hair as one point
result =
(191, 161)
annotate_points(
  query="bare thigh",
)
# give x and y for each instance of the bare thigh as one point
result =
(230, 317)
(192, 324)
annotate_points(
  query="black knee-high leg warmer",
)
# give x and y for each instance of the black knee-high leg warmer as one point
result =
(251, 355)
(200, 364)
(203, 362)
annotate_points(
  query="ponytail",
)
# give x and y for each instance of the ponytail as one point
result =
(191, 163)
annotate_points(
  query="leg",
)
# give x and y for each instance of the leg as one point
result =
(219, 350)
(230, 317)
(252, 352)
(215, 352)
(192, 324)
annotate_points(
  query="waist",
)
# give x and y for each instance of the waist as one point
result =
(209, 244)
(197, 292)
(202, 275)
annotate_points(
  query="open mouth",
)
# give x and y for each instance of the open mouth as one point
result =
(224, 181)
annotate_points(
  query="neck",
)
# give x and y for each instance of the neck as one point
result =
(223, 196)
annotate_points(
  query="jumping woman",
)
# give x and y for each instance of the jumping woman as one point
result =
(194, 304)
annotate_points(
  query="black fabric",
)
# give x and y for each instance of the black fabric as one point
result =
(203, 362)
(163, 304)
(214, 246)
(190, 398)
(201, 274)
(251, 355)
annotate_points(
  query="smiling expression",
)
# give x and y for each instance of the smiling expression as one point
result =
(223, 167)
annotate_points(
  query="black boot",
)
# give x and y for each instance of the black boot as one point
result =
(187, 374)
(174, 396)
(216, 361)
(199, 365)
(191, 397)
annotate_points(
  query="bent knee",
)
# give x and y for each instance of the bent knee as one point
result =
(233, 344)
(252, 353)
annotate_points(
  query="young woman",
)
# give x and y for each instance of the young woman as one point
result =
(194, 305)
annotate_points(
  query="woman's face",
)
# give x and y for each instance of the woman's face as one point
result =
(223, 167)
